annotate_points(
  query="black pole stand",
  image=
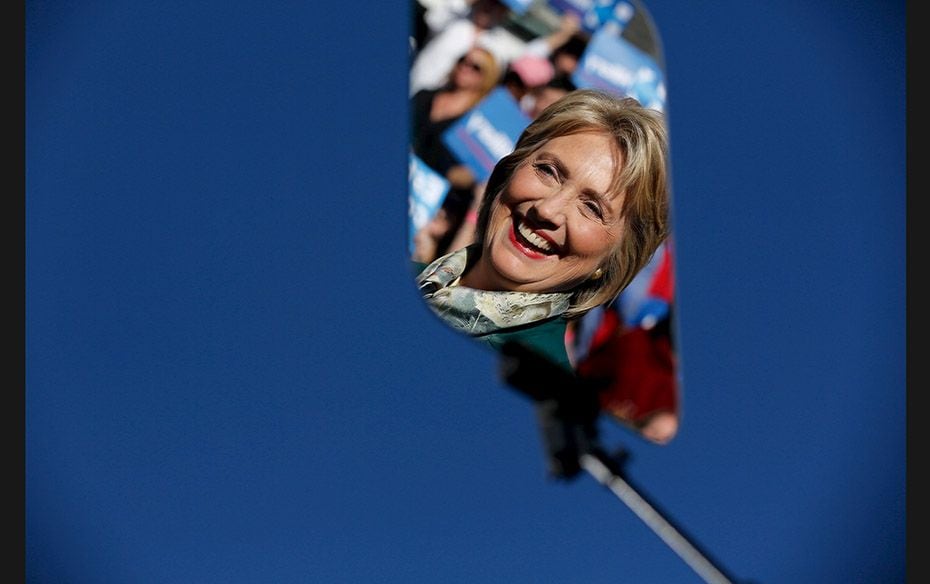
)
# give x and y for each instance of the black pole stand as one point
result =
(568, 411)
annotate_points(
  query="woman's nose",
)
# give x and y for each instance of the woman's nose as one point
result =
(551, 208)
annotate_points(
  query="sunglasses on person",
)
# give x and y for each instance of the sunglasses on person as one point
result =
(476, 67)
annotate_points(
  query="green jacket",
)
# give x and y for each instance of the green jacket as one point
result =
(546, 338)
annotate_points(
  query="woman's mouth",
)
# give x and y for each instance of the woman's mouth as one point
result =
(529, 242)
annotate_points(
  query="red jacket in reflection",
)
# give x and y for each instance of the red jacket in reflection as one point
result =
(631, 350)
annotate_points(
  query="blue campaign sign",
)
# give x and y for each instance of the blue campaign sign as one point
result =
(487, 133)
(518, 6)
(595, 14)
(613, 64)
(427, 190)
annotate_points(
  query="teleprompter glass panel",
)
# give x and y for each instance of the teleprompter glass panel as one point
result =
(539, 191)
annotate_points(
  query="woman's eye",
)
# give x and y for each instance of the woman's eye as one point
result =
(595, 208)
(545, 169)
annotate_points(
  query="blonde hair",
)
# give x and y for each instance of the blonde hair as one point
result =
(641, 141)
(490, 73)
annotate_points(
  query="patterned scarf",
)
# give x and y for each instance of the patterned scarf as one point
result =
(481, 312)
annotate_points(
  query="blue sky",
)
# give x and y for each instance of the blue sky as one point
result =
(230, 378)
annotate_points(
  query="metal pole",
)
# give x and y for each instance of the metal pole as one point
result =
(651, 517)
(568, 411)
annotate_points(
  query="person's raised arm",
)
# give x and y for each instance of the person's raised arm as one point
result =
(543, 46)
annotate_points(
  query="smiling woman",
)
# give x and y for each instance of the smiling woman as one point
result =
(568, 219)
(551, 226)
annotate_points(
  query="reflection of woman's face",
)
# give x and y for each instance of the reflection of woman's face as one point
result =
(554, 223)
(469, 70)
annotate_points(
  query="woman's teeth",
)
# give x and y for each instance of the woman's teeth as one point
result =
(535, 240)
